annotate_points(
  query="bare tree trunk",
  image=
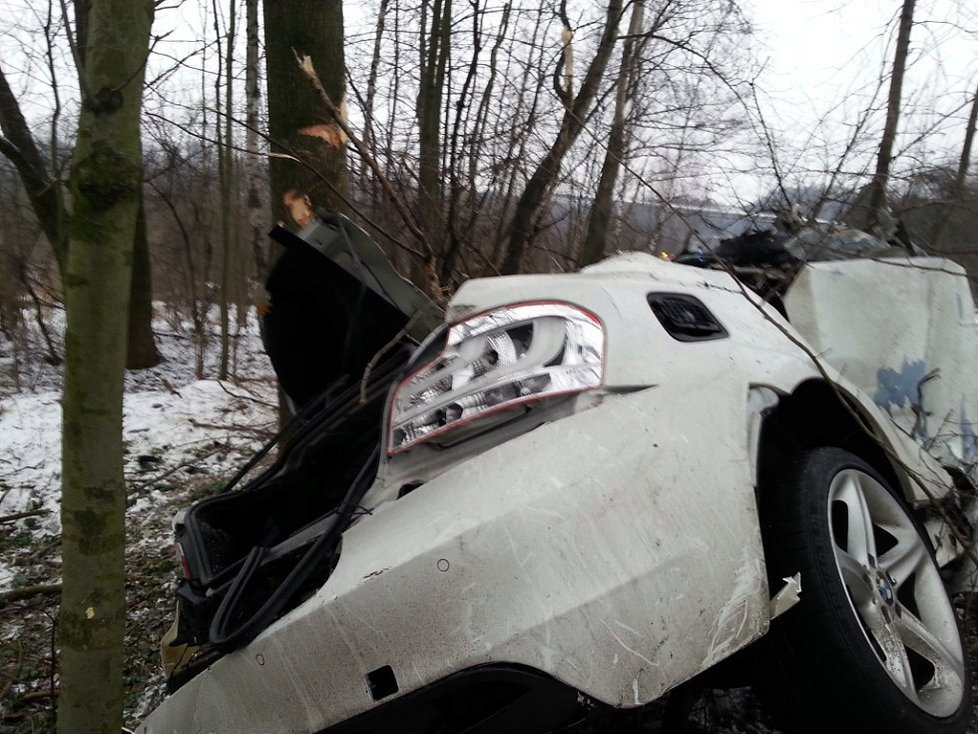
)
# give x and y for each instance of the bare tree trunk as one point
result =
(432, 86)
(460, 197)
(198, 309)
(141, 351)
(961, 177)
(225, 162)
(297, 121)
(105, 183)
(599, 221)
(521, 228)
(518, 140)
(368, 112)
(877, 187)
(254, 165)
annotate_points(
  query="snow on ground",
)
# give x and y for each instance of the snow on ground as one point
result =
(176, 428)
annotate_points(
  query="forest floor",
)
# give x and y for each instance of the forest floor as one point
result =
(184, 438)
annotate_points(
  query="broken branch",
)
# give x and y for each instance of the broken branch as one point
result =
(21, 515)
(26, 592)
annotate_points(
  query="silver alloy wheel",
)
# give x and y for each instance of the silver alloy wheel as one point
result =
(896, 592)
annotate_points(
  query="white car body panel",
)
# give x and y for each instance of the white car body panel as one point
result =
(545, 566)
(904, 332)
(616, 549)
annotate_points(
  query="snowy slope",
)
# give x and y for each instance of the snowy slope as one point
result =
(176, 429)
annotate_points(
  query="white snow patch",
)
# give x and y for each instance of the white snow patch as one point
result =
(175, 427)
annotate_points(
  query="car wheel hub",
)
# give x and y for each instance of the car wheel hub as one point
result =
(896, 592)
(885, 590)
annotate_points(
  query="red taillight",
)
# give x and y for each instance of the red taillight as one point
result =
(182, 560)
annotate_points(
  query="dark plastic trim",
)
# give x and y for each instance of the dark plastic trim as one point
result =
(503, 698)
(704, 327)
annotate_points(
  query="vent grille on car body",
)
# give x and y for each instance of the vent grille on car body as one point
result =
(685, 317)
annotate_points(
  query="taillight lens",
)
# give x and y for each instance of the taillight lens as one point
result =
(495, 360)
(182, 560)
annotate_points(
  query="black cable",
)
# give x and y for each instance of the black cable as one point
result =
(307, 410)
(241, 634)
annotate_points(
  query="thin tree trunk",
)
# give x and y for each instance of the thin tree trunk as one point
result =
(394, 94)
(197, 309)
(368, 112)
(225, 164)
(518, 139)
(105, 183)
(458, 196)
(964, 162)
(432, 87)
(599, 220)
(877, 190)
(141, 351)
(521, 228)
(255, 169)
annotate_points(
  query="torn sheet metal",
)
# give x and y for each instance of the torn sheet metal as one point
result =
(611, 541)
(581, 569)
(787, 597)
(903, 330)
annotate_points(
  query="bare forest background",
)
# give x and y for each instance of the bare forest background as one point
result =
(488, 137)
(469, 137)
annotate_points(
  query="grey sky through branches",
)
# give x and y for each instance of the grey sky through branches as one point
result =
(817, 70)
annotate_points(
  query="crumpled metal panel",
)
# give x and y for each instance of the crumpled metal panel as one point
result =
(622, 572)
(904, 331)
(617, 548)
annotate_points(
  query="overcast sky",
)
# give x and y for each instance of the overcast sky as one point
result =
(822, 60)
(824, 57)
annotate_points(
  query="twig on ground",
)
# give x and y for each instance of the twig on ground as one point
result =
(26, 592)
(17, 471)
(43, 550)
(233, 428)
(172, 470)
(38, 695)
(21, 515)
(169, 387)
(247, 396)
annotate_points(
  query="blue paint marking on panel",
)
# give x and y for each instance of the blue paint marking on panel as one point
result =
(898, 389)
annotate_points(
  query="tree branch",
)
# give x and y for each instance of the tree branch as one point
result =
(18, 145)
(21, 515)
(26, 592)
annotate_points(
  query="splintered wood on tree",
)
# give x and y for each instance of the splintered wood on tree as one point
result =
(332, 134)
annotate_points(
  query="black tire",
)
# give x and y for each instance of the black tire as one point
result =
(874, 644)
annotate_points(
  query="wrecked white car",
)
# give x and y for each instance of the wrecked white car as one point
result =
(585, 490)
